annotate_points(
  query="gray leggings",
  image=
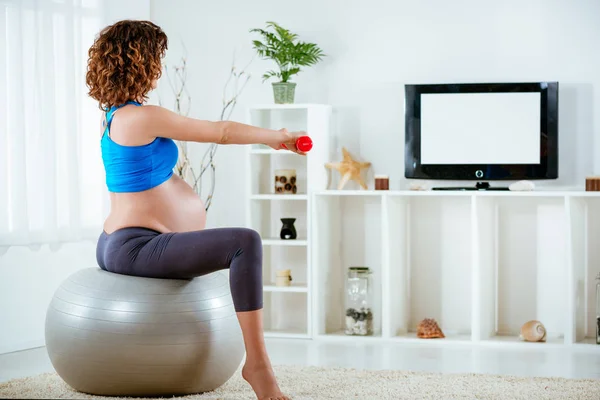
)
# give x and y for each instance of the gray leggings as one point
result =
(185, 255)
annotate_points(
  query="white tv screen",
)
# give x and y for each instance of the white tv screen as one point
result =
(480, 128)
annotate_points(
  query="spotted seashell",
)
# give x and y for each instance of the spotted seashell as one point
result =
(429, 329)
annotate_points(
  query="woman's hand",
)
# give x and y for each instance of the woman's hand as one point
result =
(285, 140)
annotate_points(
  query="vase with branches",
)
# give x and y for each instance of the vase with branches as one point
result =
(289, 54)
(234, 86)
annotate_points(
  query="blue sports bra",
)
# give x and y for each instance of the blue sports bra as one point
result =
(136, 168)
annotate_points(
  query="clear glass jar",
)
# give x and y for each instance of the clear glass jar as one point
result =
(359, 317)
(598, 308)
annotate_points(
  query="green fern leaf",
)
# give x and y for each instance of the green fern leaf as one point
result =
(282, 46)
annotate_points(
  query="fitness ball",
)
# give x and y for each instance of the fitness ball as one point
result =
(117, 335)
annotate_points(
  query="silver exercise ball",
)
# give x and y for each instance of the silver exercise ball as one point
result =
(118, 335)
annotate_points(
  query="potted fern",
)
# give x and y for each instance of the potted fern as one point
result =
(283, 47)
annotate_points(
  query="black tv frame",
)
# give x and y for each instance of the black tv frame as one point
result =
(546, 169)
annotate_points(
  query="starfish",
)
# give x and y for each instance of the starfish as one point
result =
(349, 169)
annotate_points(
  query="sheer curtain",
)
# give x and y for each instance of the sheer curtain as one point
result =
(51, 174)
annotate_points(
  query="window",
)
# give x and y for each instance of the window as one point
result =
(51, 175)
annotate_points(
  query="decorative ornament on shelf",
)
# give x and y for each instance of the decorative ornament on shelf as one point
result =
(421, 187)
(283, 47)
(234, 86)
(288, 230)
(533, 331)
(592, 184)
(429, 329)
(349, 169)
(382, 182)
(285, 181)
(359, 298)
(522, 186)
(283, 277)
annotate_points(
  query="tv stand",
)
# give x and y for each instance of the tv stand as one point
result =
(478, 186)
(477, 245)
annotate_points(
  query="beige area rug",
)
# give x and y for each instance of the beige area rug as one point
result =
(308, 383)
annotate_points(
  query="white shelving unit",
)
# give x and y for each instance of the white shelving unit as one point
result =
(480, 263)
(287, 310)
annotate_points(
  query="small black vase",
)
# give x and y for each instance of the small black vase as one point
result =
(288, 231)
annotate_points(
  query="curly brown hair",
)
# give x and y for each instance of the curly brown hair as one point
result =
(124, 61)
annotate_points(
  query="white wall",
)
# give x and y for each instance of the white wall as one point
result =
(374, 48)
(29, 277)
(115, 10)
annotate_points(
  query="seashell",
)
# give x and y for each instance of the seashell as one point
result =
(533, 331)
(522, 186)
(429, 329)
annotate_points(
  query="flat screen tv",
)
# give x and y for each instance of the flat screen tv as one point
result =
(481, 131)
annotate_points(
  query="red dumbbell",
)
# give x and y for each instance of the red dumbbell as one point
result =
(303, 144)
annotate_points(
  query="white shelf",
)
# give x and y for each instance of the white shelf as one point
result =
(286, 335)
(279, 197)
(588, 341)
(352, 193)
(480, 263)
(588, 345)
(459, 193)
(281, 242)
(516, 342)
(287, 310)
(459, 340)
(346, 232)
(341, 336)
(294, 288)
(411, 337)
(268, 107)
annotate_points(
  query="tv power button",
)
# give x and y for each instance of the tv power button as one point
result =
(479, 173)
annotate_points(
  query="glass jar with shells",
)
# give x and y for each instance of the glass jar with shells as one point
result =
(359, 317)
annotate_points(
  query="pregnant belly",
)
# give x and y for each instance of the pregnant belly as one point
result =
(184, 210)
(188, 214)
(170, 207)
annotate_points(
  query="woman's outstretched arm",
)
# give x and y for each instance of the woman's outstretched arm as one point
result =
(157, 121)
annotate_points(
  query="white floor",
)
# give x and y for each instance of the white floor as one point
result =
(561, 362)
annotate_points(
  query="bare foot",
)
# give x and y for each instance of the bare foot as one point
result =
(263, 382)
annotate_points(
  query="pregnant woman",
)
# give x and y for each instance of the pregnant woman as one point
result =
(156, 224)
